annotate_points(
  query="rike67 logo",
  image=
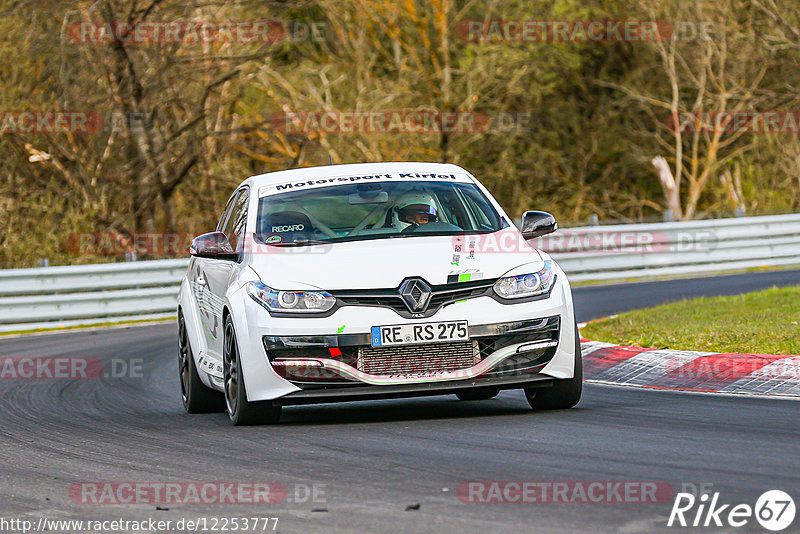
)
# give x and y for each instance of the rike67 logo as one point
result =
(774, 510)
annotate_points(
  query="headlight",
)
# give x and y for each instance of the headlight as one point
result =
(526, 285)
(290, 301)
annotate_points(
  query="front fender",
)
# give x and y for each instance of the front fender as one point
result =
(563, 363)
(260, 380)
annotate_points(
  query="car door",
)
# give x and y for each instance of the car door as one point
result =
(203, 298)
(218, 274)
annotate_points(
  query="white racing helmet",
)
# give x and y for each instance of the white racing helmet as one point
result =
(410, 204)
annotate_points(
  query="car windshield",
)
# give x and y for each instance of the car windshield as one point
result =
(376, 210)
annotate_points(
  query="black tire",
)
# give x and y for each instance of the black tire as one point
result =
(478, 394)
(196, 396)
(564, 393)
(241, 411)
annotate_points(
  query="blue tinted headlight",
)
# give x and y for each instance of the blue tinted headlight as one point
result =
(290, 301)
(526, 285)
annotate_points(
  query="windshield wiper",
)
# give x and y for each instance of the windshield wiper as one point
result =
(371, 237)
(261, 240)
(299, 243)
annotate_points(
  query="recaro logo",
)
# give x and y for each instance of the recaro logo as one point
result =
(289, 228)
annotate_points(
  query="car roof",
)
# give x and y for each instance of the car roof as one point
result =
(329, 171)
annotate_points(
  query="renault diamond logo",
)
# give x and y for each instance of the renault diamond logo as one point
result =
(416, 294)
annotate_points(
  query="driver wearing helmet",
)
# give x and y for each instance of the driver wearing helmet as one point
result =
(414, 209)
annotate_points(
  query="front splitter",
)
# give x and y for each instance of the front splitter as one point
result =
(359, 393)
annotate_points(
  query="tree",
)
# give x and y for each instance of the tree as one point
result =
(707, 78)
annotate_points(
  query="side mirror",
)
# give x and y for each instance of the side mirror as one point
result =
(537, 223)
(213, 245)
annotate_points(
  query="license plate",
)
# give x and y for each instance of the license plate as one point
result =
(407, 334)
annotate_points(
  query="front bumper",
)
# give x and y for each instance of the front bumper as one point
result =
(260, 335)
(501, 349)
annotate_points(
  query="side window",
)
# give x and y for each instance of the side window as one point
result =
(234, 226)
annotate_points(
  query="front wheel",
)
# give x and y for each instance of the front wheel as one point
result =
(241, 411)
(564, 393)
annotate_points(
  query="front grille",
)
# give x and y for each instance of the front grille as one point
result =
(441, 295)
(384, 301)
(438, 299)
(418, 360)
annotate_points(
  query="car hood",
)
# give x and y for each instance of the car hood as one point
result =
(385, 263)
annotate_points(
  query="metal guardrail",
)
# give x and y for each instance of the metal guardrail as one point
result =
(87, 294)
(53, 297)
(675, 248)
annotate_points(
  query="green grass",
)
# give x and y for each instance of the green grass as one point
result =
(765, 322)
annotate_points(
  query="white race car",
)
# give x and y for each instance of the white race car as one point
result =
(372, 281)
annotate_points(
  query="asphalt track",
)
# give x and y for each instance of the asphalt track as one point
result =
(372, 461)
